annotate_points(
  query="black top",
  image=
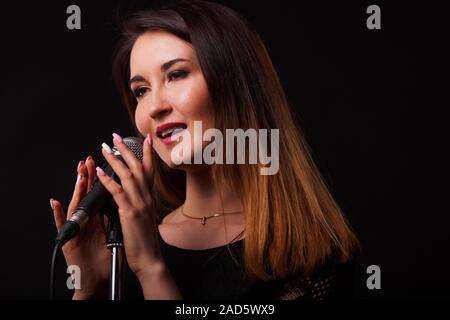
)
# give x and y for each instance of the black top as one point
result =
(218, 273)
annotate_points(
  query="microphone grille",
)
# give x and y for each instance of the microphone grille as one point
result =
(135, 145)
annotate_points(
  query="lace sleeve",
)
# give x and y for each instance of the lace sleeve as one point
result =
(315, 287)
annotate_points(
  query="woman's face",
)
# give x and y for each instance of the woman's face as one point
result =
(169, 87)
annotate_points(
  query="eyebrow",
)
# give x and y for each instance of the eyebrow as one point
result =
(164, 67)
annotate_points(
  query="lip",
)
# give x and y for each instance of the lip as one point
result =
(166, 126)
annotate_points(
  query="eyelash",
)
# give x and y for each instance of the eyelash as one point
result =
(177, 74)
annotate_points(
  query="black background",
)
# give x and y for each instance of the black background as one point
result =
(371, 102)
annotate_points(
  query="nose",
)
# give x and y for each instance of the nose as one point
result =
(159, 106)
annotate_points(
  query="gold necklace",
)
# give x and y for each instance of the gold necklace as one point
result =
(203, 219)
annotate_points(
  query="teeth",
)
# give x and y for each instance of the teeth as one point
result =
(163, 133)
(171, 131)
(177, 130)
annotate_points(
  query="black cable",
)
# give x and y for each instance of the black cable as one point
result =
(52, 271)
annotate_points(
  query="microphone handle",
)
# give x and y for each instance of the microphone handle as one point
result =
(89, 206)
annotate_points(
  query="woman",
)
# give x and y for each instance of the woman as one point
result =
(200, 230)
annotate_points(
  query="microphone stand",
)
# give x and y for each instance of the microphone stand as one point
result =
(115, 243)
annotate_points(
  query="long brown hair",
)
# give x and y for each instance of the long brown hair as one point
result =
(292, 222)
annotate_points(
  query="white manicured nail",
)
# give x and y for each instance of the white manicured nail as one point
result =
(51, 203)
(78, 179)
(107, 148)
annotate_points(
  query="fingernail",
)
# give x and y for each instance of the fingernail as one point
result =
(100, 171)
(78, 178)
(88, 158)
(117, 137)
(51, 203)
(107, 148)
(79, 164)
(149, 139)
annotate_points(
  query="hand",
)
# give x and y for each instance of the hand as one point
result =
(135, 204)
(88, 249)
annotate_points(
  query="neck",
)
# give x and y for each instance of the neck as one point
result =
(204, 196)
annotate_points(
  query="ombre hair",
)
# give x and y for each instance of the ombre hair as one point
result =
(292, 222)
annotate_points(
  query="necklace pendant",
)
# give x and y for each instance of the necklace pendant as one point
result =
(203, 220)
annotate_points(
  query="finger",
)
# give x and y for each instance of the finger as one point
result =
(116, 190)
(133, 164)
(147, 160)
(80, 189)
(83, 173)
(129, 181)
(90, 165)
(58, 213)
(130, 158)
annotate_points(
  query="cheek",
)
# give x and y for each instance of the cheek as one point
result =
(142, 125)
(196, 106)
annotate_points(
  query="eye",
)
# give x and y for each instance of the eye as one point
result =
(139, 92)
(177, 74)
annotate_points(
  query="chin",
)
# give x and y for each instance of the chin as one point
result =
(172, 165)
(186, 161)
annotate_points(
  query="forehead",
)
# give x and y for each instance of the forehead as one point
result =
(152, 49)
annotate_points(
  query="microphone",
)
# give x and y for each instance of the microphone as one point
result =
(99, 196)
